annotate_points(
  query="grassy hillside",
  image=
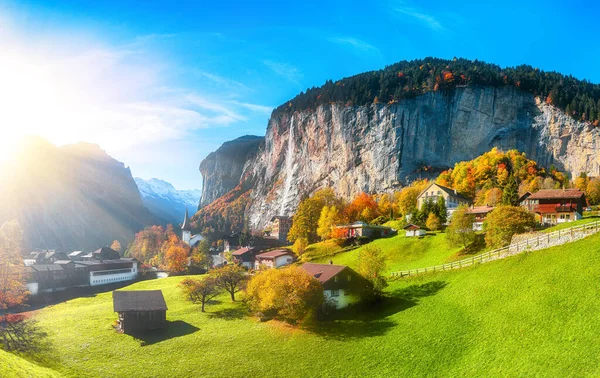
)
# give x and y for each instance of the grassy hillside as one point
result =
(402, 252)
(530, 315)
(16, 367)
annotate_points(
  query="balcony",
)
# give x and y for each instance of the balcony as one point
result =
(554, 208)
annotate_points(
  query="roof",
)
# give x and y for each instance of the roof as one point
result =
(280, 217)
(105, 250)
(46, 267)
(139, 300)
(449, 191)
(61, 262)
(557, 194)
(480, 209)
(75, 253)
(274, 254)
(361, 224)
(411, 226)
(186, 226)
(241, 251)
(323, 272)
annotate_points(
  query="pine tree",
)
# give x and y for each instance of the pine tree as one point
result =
(510, 194)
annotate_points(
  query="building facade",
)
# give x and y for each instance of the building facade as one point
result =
(479, 214)
(342, 286)
(362, 229)
(556, 205)
(273, 259)
(451, 197)
(280, 227)
(140, 310)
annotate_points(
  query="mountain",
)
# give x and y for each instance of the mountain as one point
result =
(74, 197)
(166, 202)
(378, 146)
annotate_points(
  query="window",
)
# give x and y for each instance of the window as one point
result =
(335, 293)
(335, 279)
(349, 278)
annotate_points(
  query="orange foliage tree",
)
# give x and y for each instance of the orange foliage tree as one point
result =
(363, 207)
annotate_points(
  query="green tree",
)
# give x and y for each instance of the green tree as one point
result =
(460, 230)
(441, 211)
(510, 194)
(201, 257)
(505, 221)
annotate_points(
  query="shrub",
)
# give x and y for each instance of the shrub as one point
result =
(289, 294)
(460, 230)
(505, 221)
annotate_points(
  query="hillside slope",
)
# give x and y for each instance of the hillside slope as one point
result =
(529, 315)
(380, 146)
(71, 198)
(12, 366)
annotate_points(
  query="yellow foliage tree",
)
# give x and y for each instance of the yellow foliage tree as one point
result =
(329, 218)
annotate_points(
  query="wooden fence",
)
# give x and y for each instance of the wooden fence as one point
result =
(541, 241)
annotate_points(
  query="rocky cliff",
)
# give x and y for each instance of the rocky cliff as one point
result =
(379, 147)
(71, 198)
(222, 169)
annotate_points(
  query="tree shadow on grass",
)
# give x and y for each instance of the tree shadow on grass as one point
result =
(229, 314)
(172, 330)
(371, 319)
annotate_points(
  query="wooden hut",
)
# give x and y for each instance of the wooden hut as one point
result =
(140, 310)
(414, 230)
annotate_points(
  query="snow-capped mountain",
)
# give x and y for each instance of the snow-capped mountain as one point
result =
(166, 202)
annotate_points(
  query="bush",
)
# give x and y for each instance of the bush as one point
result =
(505, 221)
(289, 294)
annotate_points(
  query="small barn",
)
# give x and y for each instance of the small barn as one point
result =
(140, 310)
(414, 230)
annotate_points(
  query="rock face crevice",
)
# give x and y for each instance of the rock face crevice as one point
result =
(380, 147)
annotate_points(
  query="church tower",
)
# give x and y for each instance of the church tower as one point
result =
(186, 229)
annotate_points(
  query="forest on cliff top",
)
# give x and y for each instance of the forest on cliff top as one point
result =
(408, 79)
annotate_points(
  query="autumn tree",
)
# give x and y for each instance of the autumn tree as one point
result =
(371, 265)
(460, 230)
(13, 289)
(433, 222)
(289, 294)
(305, 220)
(363, 207)
(147, 244)
(329, 218)
(505, 221)
(581, 182)
(230, 278)
(176, 253)
(300, 246)
(593, 191)
(202, 290)
(116, 246)
(407, 198)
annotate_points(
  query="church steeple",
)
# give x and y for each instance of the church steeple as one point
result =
(186, 226)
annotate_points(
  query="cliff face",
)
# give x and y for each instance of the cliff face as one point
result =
(380, 147)
(222, 169)
(71, 198)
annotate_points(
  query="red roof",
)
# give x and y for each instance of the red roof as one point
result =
(557, 194)
(241, 251)
(553, 208)
(480, 209)
(411, 227)
(274, 254)
(323, 272)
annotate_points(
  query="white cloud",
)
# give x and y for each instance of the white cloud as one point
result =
(115, 96)
(356, 43)
(412, 14)
(285, 70)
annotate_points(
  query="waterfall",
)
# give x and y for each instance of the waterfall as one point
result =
(289, 174)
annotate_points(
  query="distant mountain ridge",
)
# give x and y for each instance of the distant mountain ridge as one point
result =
(166, 202)
(74, 197)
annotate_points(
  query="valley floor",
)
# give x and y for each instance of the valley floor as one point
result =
(534, 314)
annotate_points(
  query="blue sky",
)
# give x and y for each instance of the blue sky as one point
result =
(160, 84)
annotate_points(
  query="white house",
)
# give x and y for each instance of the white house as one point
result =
(341, 285)
(273, 259)
(186, 232)
(414, 230)
(435, 191)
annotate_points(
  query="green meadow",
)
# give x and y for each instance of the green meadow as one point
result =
(534, 314)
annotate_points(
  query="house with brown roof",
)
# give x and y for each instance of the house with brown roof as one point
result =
(413, 230)
(273, 259)
(140, 310)
(245, 256)
(363, 229)
(479, 213)
(341, 285)
(556, 205)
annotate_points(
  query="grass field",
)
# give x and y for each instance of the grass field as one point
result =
(562, 226)
(15, 367)
(402, 252)
(530, 315)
